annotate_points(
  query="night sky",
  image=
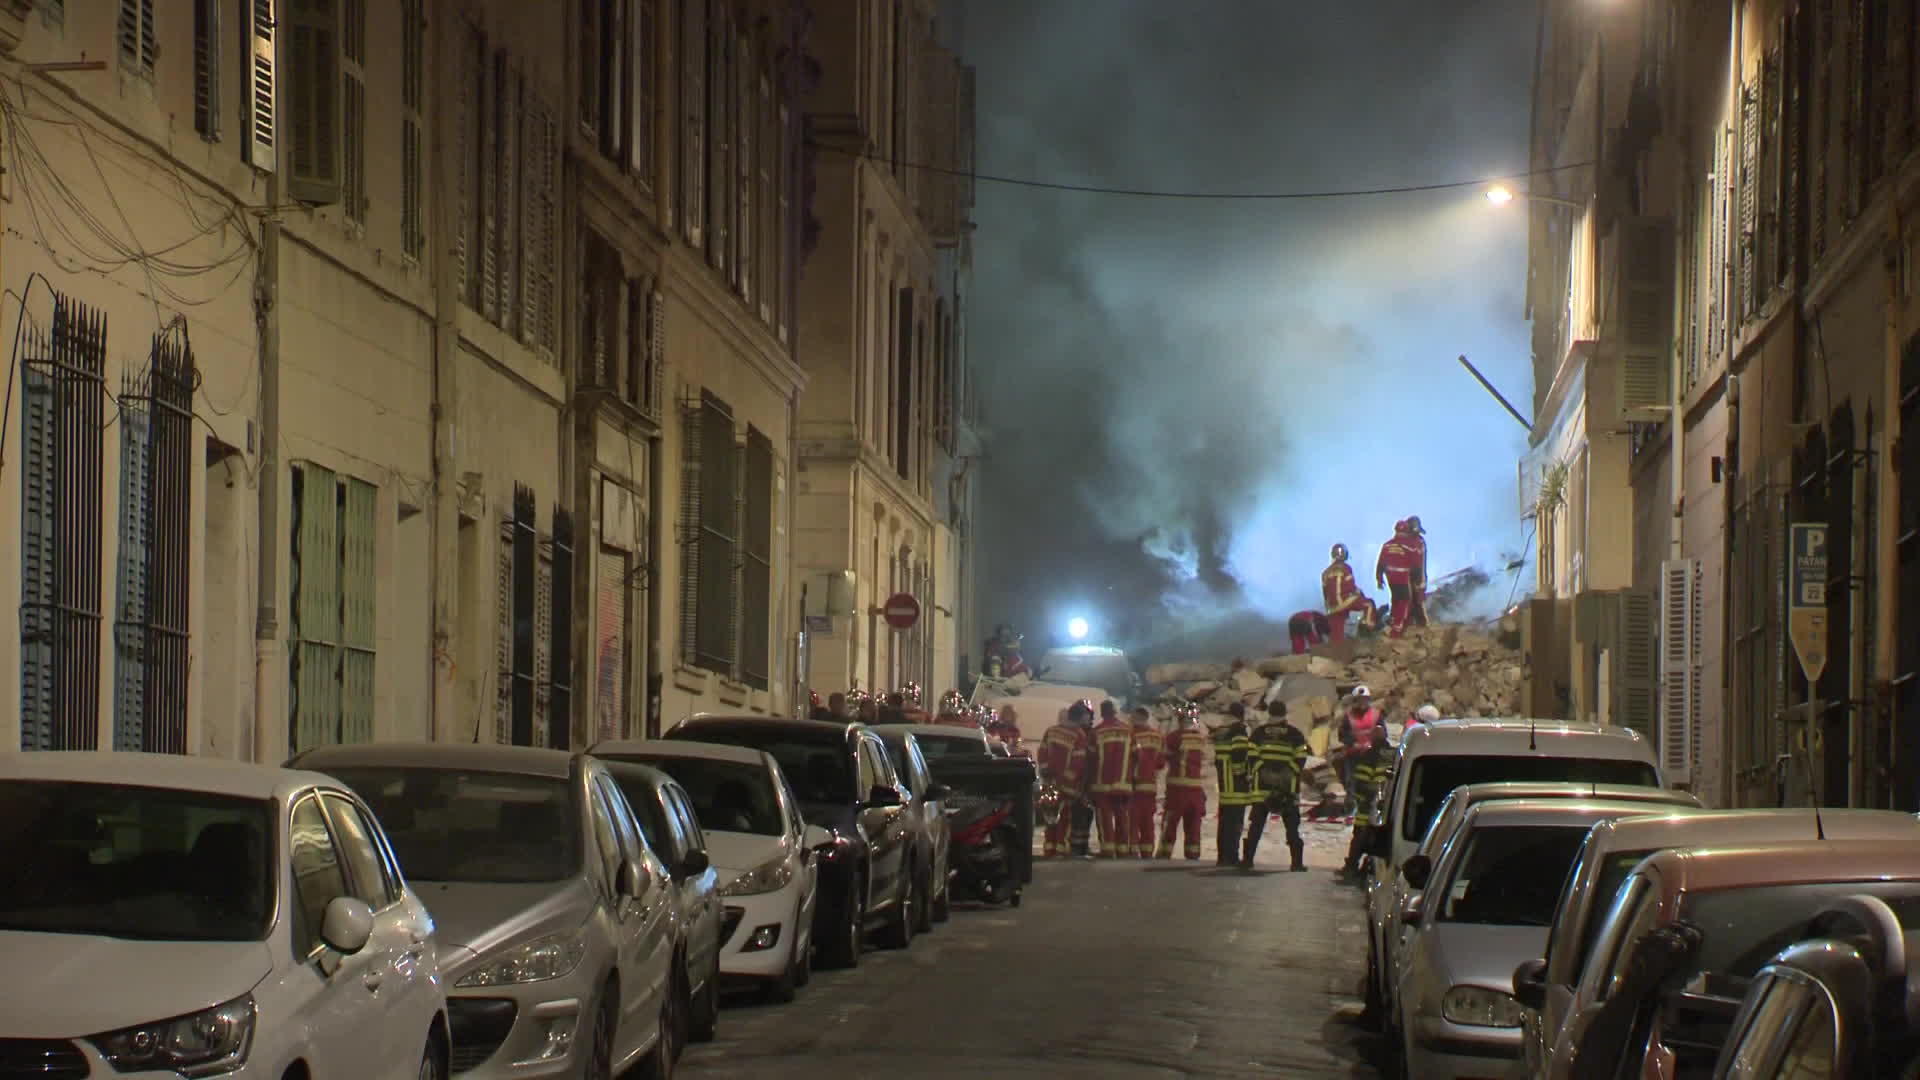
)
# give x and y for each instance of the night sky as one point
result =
(1188, 400)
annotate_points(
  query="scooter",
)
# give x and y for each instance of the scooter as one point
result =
(985, 837)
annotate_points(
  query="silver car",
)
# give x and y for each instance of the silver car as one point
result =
(1485, 908)
(557, 922)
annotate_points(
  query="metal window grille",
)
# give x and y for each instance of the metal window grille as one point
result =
(526, 598)
(62, 405)
(560, 633)
(1757, 568)
(151, 634)
(756, 593)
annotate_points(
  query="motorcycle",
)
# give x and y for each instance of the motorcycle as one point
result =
(991, 815)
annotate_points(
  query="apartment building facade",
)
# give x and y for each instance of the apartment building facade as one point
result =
(1773, 142)
(882, 297)
(421, 370)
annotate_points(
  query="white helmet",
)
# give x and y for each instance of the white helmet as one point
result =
(1428, 714)
(1361, 691)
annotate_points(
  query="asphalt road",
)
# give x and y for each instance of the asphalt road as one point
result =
(1111, 970)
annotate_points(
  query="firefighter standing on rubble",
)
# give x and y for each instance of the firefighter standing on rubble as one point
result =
(1186, 804)
(1394, 570)
(1113, 780)
(1233, 771)
(1281, 753)
(1148, 758)
(1063, 766)
(1343, 596)
(1417, 571)
(1370, 766)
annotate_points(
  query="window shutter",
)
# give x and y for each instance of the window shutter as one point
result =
(313, 101)
(540, 249)
(206, 68)
(719, 178)
(503, 639)
(784, 258)
(743, 166)
(261, 92)
(129, 628)
(765, 204)
(507, 167)
(314, 628)
(638, 305)
(486, 103)
(1793, 130)
(691, 420)
(359, 501)
(736, 561)
(645, 73)
(1635, 668)
(469, 115)
(656, 351)
(610, 646)
(693, 108)
(137, 45)
(1749, 200)
(614, 80)
(1645, 318)
(1679, 659)
(588, 108)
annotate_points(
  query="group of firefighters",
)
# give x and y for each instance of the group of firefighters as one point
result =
(1401, 569)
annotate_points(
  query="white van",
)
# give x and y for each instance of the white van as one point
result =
(1436, 758)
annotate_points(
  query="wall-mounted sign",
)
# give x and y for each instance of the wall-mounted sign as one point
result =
(1807, 598)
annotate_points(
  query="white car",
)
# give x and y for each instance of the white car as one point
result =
(187, 916)
(760, 847)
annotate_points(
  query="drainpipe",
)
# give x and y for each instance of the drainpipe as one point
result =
(443, 525)
(656, 579)
(795, 621)
(266, 628)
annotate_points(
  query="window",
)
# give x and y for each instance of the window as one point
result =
(743, 119)
(356, 845)
(63, 419)
(317, 877)
(509, 189)
(353, 110)
(686, 820)
(756, 575)
(206, 67)
(1509, 875)
(455, 825)
(1812, 1053)
(1434, 776)
(904, 386)
(413, 66)
(137, 45)
(261, 94)
(728, 796)
(625, 817)
(314, 53)
(720, 142)
(331, 633)
(709, 515)
(606, 839)
(534, 640)
(693, 113)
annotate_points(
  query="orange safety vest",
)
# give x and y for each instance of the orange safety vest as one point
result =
(1186, 750)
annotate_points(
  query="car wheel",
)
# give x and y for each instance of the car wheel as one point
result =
(780, 989)
(923, 911)
(433, 1063)
(842, 950)
(898, 933)
(1374, 1015)
(704, 1017)
(942, 905)
(606, 1021)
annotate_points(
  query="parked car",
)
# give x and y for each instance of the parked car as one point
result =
(172, 915)
(1689, 928)
(557, 919)
(1837, 1005)
(847, 786)
(762, 851)
(1454, 810)
(927, 807)
(940, 740)
(1434, 759)
(667, 821)
(1612, 849)
(1485, 908)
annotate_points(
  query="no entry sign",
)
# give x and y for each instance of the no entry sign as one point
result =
(901, 611)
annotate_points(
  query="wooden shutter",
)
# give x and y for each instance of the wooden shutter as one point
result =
(656, 352)
(507, 167)
(1749, 200)
(359, 501)
(719, 182)
(540, 160)
(137, 46)
(1679, 659)
(610, 646)
(314, 628)
(503, 638)
(313, 101)
(766, 203)
(639, 305)
(785, 258)
(262, 94)
(587, 28)
(644, 31)
(743, 166)
(1635, 669)
(206, 67)
(692, 419)
(693, 111)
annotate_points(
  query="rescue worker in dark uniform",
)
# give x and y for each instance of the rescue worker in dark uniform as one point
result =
(1280, 751)
(1372, 767)
(1232, 768)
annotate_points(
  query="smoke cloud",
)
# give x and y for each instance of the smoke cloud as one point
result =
(1189, 401)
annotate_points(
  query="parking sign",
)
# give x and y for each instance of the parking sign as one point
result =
(1807, 598)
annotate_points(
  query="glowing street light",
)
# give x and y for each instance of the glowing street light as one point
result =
(1077, 628)
(1499, 194)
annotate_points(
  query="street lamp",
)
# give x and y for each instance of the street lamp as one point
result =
(1501, 195)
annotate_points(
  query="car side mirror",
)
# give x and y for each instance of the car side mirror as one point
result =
(1417, 870)
(813, 837)
(1410, 911)
(883, 796)
(1530, 984)
(696, 862)
(936, 792)
(632, 881)
(346, 925)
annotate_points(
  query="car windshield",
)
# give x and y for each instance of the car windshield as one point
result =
(940, 746)
(818, 765)
(1606, 886)
(728, 796)
(135, 862)
(453, 825)
(1742, 928)
(1510, 875)
(1434, 777)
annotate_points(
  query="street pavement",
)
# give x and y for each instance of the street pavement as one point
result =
(1114, 970)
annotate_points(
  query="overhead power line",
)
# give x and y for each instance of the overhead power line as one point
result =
(1223, 196)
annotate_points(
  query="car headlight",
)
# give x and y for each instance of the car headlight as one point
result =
(543, 958)
(770, 876)
(1477, 1006)
(205, 1043)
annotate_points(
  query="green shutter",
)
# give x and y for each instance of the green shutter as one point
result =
(358, 500)
(314, 631)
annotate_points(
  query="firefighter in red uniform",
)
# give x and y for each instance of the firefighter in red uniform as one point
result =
(1148, 757)
(1310, 628)
(1417, 570)
(1063, 764)
(1186, 751)
(1343, 595)
(1113, 780)
(1005, 726)
(1394, 570)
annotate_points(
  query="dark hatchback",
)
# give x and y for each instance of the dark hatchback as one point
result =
(846, 784)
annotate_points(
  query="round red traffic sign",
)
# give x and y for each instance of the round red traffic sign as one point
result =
(901, 611)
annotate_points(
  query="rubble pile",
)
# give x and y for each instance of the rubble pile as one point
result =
(1464, 670)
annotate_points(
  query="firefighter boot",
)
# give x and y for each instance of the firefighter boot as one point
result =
(1298, 848)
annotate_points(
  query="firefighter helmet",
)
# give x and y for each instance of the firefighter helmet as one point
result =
(1339, 553)
(1413, 524)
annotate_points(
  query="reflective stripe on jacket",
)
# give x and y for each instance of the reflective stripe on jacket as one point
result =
(1112, 750)
(1232, 754)
(1186, 750)
(1281, 751)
